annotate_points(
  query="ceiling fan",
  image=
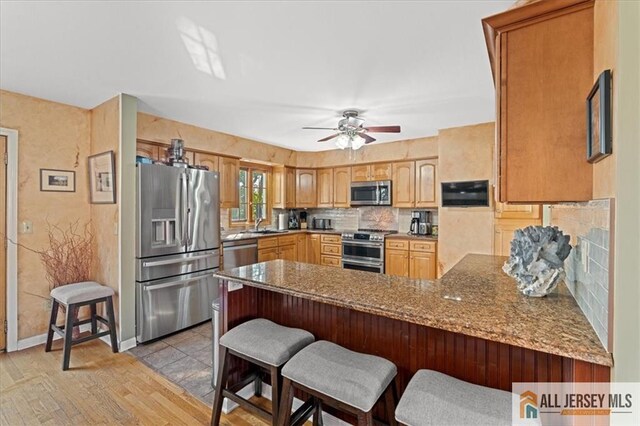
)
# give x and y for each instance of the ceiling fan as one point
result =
(351, 133)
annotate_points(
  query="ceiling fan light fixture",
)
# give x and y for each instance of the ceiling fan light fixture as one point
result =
(357, 142)
(342, 141)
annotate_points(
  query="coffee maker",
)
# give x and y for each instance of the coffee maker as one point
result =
(420, 222)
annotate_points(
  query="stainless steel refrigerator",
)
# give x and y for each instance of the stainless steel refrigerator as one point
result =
(177, 248)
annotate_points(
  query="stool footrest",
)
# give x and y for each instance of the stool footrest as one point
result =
(245, 403)
(302, 414)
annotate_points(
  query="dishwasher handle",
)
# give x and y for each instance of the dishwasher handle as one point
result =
(242, 247)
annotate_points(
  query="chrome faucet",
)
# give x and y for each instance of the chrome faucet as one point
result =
(258, 221)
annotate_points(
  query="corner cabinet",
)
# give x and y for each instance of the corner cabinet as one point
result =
(403, 186)
(542, 58)
(305, 188)
(229, 181)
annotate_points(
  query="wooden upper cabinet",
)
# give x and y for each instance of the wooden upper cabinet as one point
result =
(229, 181)
(148, 150)
(542, 56)
(403, 186)
(426, 183)
(284, 187)
(342, 187)
(518, 211)
(371, 172)
(305, 188)
(360, 173)
(209, 160)
(381, 171)
(290, 187)
(324, 186)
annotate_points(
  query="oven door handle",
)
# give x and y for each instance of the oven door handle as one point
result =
(362, 244)
(361, 262)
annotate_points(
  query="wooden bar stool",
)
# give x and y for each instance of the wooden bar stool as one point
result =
(266, 345)
(347, 380)
(73, 296)
(433, 398)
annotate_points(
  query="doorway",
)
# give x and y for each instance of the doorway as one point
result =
(3, 245)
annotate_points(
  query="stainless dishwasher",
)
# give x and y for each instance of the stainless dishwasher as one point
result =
(235, 253)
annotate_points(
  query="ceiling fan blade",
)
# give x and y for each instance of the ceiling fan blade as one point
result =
(383, 129)
(329, 137)
(367, 138)
(319, 128)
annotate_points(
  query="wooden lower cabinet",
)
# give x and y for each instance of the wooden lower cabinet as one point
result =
(288, 252)
(396, 262)
(267, 254)
(422, 265)
(301, 247)
(313, 249)
(331, 250)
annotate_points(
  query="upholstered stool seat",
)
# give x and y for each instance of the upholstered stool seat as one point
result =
(338, 376)
(264, 344)
(73, 296)
(433, 398)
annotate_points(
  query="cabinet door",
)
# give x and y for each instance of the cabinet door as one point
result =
(305, 188)
(503, 234)
(518, 211)
(148, 150)
(267, 254)
(209, 160)
(301, 245)
(360, 173)
(229, 178)
(342, 187)
(287, 252)
(404, 186)
(396, 262)
(541, 85)
(313, 249)
(279, 193)
(290, 187)
(381, 171)
(325, 187)
(422, 265)
(426, 183)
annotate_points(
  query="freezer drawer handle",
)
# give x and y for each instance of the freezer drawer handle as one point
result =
(173, 283)
(181, 260)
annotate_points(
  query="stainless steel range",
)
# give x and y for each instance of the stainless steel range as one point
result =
(363, 250)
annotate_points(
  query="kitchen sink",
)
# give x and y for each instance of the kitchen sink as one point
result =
(268, 231)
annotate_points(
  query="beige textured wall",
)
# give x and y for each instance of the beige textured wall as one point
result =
(105, 136)
(605, 56)
(159, 129)
(465, 153)
(52, 136)
(393, 151)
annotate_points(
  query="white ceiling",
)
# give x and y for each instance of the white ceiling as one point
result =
(261, 70)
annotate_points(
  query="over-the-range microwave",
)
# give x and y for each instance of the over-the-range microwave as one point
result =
(377, 193)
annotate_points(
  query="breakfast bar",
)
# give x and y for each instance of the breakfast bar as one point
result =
(472, 324)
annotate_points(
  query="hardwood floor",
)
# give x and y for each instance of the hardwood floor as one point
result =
(100, 388)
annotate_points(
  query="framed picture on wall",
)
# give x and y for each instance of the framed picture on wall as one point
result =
(57, 180)
(102, 178)
(599, 119)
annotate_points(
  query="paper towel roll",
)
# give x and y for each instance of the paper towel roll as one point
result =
(282, 221)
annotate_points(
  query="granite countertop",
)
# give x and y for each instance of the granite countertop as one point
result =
(475, 298)
(403, 236)
(245, 235)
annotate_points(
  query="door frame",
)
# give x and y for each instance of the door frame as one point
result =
(12, 234)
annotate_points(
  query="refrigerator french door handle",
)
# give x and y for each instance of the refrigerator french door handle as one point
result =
(188, 238)
(183, 210)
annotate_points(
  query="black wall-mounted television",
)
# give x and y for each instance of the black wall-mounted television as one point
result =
(473, 193)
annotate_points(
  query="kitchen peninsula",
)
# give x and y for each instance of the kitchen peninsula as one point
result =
(472, 323)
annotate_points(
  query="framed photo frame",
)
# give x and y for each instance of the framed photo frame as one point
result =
(599, 119)
(102, 178)
(52, 180)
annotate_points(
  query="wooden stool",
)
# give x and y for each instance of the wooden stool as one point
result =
(73, 296)
(433, 398)
(262, 343)
(347, 380)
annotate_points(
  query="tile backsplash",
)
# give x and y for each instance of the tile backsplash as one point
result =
(587, 267)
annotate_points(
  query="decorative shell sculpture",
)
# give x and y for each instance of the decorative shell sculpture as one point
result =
(537, 259)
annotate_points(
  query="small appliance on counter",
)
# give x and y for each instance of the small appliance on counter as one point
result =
(293, 220)
(324, 224)
(420, 222)
(282, 221)
(303, 220)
